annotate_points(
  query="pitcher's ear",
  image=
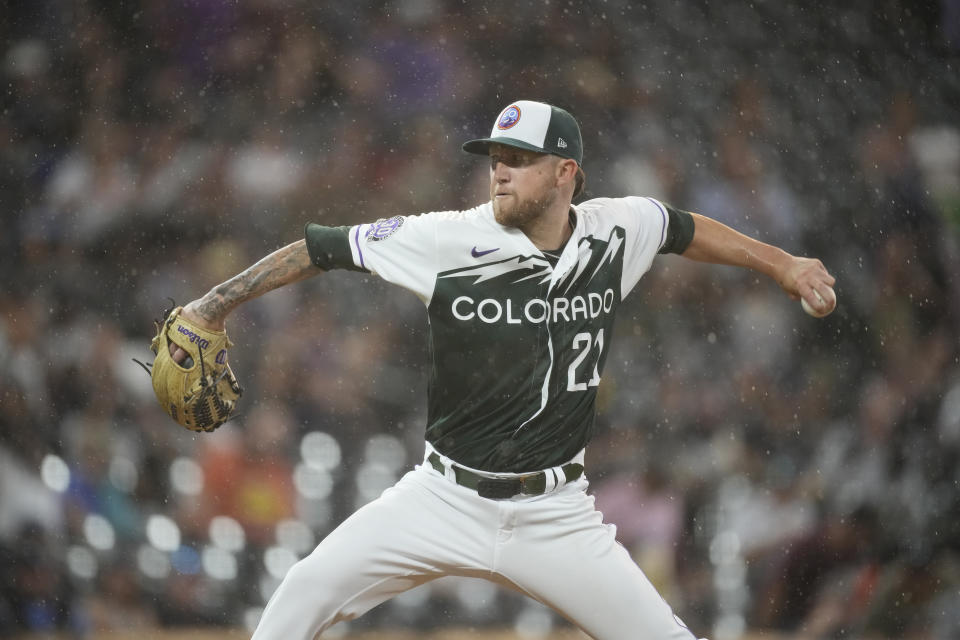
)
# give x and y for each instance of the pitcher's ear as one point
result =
(580, 182)
(567, 171)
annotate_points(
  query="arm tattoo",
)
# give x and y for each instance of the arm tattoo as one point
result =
(282, 267)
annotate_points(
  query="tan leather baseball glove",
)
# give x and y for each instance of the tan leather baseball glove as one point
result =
(201, 392)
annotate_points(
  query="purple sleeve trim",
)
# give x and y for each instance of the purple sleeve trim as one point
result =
(663, 212)
(356, 241)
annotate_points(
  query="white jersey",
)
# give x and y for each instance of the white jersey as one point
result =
(517, 340)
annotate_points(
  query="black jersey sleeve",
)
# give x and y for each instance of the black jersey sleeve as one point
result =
(329, 247)
(679, 231)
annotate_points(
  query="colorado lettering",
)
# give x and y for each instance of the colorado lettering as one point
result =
(194, 338)
(535, 311)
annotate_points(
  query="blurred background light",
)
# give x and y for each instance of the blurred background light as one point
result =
(475, 596)
(724, 547)
(267, 585)
(219, 564)
(163, 533)
(295, 536)
(251, 618)
(81, 562)
(152, 562)
(314, 513)
(534, 621)
(278, 560)
(385, 450)
(730, 627)
(312, 482)
(55, 473)
(99, 532)
(414, 598)
(372, 479)
(320, 450)
(186, 476)
(227, 533)
(123, 474)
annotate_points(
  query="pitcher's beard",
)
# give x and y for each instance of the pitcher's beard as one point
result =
(522, 214)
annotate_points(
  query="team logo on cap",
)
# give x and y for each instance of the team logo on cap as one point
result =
(509, 117)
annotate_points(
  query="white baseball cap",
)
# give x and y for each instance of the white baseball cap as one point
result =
(535, 126)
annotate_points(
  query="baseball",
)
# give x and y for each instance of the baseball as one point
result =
(830, 298)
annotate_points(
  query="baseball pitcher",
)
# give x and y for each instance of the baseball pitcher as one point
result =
(521, 292)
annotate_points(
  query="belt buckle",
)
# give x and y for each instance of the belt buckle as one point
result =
(499, 488)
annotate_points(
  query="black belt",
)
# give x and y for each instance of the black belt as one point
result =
(533, 484)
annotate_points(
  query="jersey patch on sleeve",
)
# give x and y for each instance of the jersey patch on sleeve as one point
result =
(383, 228)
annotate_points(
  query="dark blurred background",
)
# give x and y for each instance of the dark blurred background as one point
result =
(768, 470)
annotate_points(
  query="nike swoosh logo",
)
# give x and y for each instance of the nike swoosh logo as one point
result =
(480, 254)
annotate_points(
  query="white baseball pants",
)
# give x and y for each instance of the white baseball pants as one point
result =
(554, 548)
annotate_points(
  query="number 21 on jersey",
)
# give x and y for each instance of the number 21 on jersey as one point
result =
(586, 344)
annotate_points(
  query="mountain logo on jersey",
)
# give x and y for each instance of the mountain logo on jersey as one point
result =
(523, 268)
(509, 117)
(593, 256)
(383, 228)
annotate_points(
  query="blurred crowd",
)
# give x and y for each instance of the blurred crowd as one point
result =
(767, 470)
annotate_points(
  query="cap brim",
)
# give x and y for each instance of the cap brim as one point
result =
(481, 146)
